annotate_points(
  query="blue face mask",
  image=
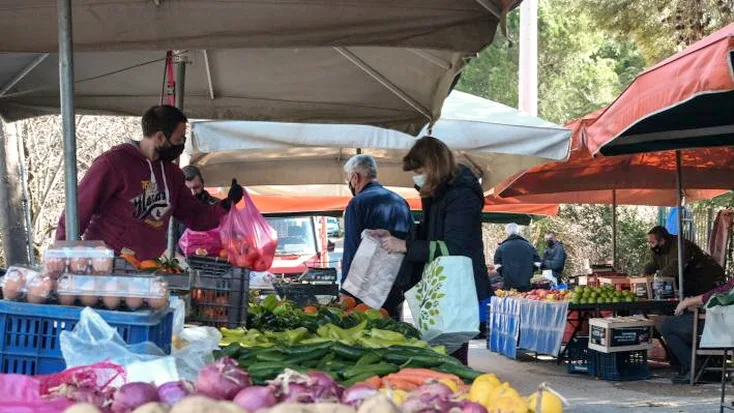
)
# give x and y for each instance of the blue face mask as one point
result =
(419, 180)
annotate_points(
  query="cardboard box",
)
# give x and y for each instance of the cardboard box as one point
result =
(642, 287)
(611, 335)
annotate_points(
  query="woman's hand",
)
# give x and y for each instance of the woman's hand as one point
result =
(392, 244)
(690, 302)
(378, 233)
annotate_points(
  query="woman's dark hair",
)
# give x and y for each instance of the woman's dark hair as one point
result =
(436, 160)
(162, 118)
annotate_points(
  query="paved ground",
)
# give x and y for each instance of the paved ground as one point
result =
(586, 394)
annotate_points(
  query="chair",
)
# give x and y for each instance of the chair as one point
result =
(706, 354)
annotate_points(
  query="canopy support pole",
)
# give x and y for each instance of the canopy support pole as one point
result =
(614, 229)
(66, 85)
(180, 66)
(22, 74)
(208, 68)
(681, 240)
(384, 82)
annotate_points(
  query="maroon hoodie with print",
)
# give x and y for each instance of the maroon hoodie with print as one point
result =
(126, 200)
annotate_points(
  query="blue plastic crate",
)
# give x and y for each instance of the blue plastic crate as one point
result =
(30, 333)
(620, 366)
(577, 355)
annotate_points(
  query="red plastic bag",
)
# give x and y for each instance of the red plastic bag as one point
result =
(201, 242)
(248, 239)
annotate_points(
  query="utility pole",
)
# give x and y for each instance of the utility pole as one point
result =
(528, 87)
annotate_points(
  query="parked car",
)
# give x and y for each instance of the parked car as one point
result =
(332, 227)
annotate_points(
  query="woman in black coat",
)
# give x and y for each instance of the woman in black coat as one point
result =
(452, 212)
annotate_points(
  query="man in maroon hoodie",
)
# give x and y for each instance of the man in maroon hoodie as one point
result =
(130, 192)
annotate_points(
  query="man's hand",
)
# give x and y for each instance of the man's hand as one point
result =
(394, 245)
(235, 193)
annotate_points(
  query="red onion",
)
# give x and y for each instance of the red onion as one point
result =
(173, 391)
(471, 407)
(222, 379)
(324, 387)
(87, 395)
(254, 398)
(434, 389)
(356, 394)
(297, 393)
(133, 395)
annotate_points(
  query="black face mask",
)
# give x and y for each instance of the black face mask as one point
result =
(170, 153)
(549, 243)
(351, 189)
(656, 249)
(202, 196)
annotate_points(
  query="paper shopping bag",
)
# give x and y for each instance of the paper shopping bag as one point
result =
(373, 272)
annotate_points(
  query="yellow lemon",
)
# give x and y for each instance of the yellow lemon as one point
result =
(490, 378)
(549, 403)
(509, 404)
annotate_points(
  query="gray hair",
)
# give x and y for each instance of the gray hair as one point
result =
(512, 229)
(363, 165)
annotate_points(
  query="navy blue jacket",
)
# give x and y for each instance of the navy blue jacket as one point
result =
(373, 208)
(453, 215)
(554, 259)
(517, 257)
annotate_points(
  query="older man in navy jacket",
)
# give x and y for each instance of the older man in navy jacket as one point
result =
(373, 207)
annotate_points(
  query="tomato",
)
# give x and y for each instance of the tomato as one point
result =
(262, 265)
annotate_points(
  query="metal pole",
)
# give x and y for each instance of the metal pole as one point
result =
(66, 83)
(614, 229)
(180, 63)
(528, 76)
(681, 240)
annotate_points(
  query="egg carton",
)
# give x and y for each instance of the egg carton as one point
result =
(112, 291)
(78, 257)
(27, 284)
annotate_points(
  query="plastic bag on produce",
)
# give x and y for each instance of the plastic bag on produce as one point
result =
(179, 314)
(248, 239)
(98, 376)
(444, 303)
(201, 242)
(22, 394)
(373, 272)
(197, 345)
(93, 340)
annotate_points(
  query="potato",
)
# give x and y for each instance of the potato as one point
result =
(312, 408)
(152, 407)
(83, 408)
(378, 403)
(229, 407)
(196, 404)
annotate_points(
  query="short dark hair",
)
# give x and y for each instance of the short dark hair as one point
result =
(551, 233)
(190, 172)
(659, 232)
(162, 118)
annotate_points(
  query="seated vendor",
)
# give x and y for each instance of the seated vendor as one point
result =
(701, 273)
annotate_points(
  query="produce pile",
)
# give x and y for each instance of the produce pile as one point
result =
(274, 315)
(537, 295)
(602, 295)
(223, 387)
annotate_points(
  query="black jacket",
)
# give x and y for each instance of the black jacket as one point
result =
(517, 257)
(453, 215)
(554, 259)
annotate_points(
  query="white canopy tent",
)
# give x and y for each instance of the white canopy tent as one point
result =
(494, 140)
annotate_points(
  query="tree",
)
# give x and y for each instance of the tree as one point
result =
(581, 68)
(15, 243)
(660, 27)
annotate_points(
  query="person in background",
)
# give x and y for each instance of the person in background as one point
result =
(194, 181)
(130, 192)
(452, 201)
(554, 256)
(373, 207)
(516, 258)
(701, 273)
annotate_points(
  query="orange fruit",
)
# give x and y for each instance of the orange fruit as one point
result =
(384, 313)
(362, 308)
(310, 310)
(223, 254)
(348, 301)
(150, 265)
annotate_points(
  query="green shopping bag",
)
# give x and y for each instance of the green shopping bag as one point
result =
(444, 303)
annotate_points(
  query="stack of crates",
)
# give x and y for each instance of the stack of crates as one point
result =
(219, 293)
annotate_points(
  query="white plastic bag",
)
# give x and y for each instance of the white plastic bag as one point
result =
(444, 303)
(179, 314)
(373, 272)
(718, 330)
(199, 343)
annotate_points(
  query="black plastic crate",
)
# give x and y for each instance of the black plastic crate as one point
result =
(620, 366)
(221, 299)
(178, 282)
(306, 294)
(209, 265)
(577, 355)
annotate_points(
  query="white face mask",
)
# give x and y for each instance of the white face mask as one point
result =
(419, 180)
